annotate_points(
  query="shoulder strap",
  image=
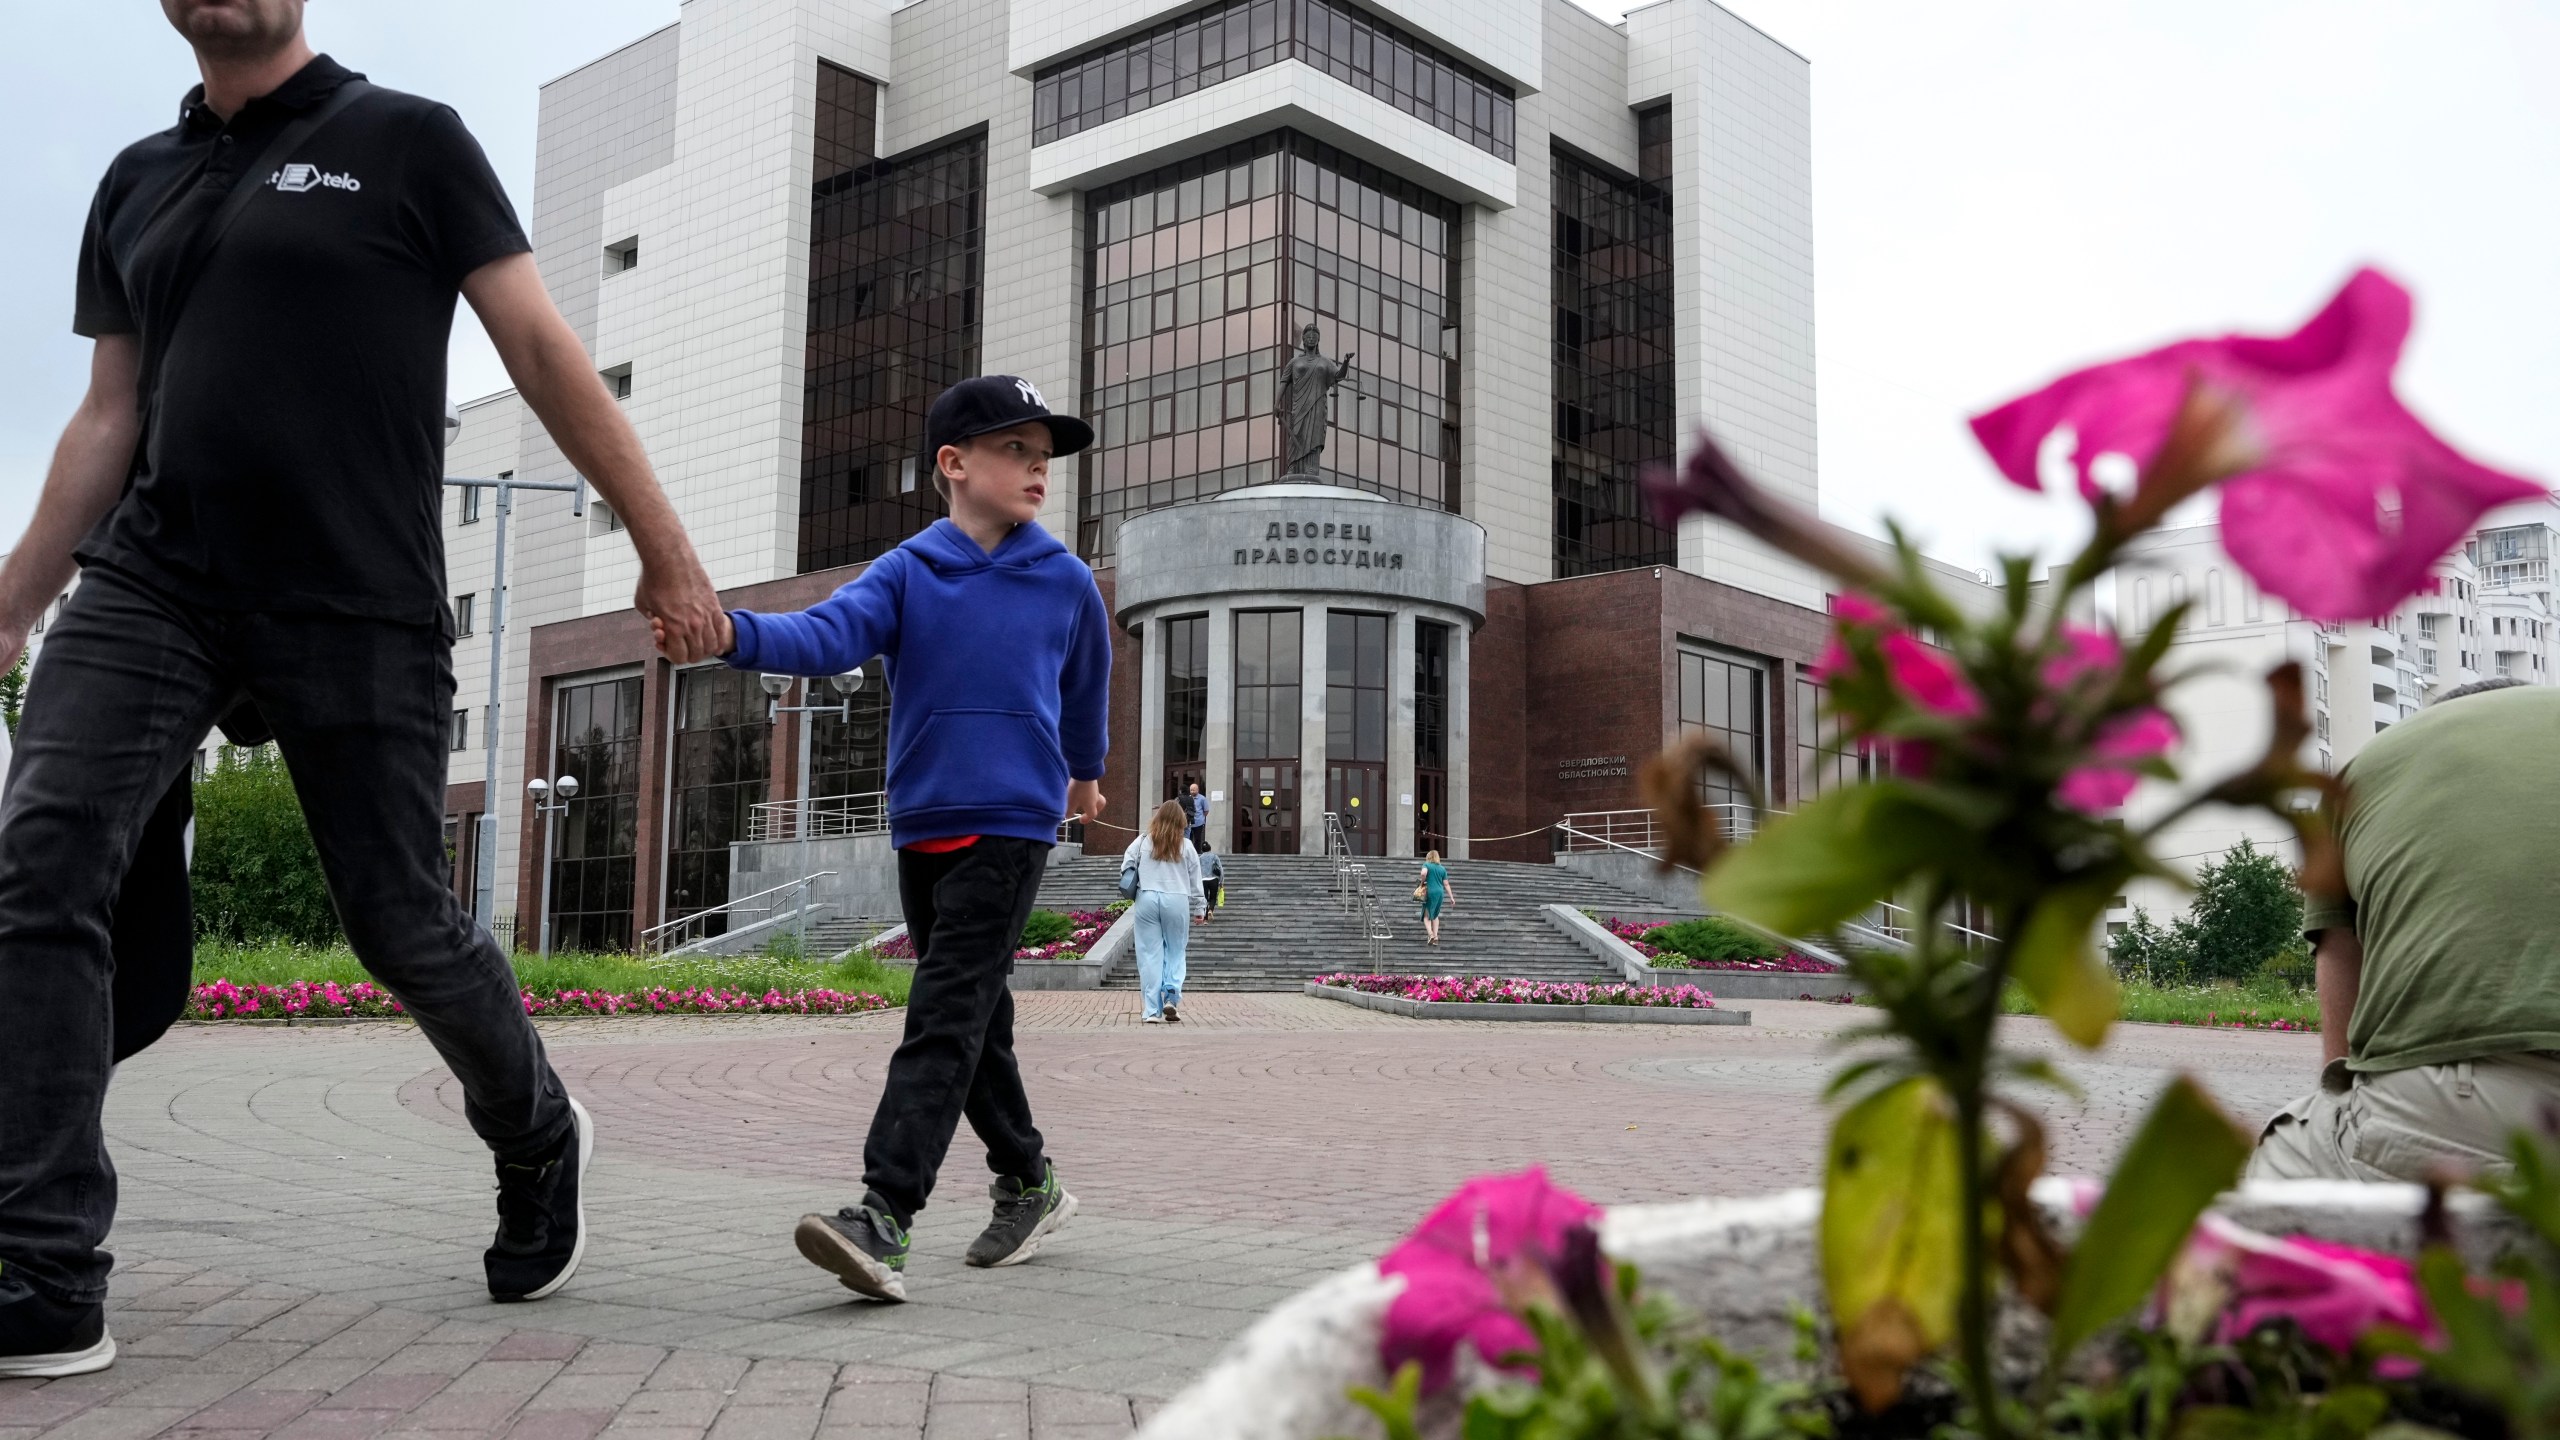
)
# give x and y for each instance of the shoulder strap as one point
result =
(209, 233)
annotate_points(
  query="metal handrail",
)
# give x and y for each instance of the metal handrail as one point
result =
(826, 817)
(1351, 889)
(674, 935)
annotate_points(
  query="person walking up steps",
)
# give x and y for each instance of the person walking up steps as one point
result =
(1433, 892)
(1213, 880)
(1169, 899)
(250, 489)
(1196, 814)
(999, 656)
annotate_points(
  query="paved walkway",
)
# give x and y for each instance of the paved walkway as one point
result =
(303, 1209)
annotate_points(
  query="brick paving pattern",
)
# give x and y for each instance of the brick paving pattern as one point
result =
(303, 1208)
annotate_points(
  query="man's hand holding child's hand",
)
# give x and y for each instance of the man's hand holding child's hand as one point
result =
(725, 640)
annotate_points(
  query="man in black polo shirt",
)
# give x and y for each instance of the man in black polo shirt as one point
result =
(251, 489)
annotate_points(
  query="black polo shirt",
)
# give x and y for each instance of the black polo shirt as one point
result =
(296, 457)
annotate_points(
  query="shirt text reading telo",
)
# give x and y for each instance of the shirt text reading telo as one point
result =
(296, 458)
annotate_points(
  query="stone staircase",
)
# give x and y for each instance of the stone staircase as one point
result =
(1282, 926)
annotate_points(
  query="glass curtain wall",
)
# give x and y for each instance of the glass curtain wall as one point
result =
(849, 753)
(595, 845)
(1186, 704)
(723, 748)
(1355, 728)
(1200, 278)
(1826, 758)
(1615, 380)
(1269, 666)
(1221, 42)
(896, 261)
(1726, 696)
(1430, 737)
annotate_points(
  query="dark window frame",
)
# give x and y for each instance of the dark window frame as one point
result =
(1616, 360)
(595, 842)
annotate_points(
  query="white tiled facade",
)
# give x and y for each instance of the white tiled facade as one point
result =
(693, 146)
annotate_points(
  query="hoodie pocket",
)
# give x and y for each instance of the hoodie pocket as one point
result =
(977, 760)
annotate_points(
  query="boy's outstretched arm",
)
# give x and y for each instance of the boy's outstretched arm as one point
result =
(838, 633)
(1084, 706)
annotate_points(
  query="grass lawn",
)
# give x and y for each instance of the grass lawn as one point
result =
(2259, 1004)
(282, 964)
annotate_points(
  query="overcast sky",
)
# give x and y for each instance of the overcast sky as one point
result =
(2001, 188)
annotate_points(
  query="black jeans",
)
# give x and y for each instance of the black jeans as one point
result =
(127, 685)
(965, 912)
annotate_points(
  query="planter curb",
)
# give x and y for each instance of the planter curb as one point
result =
(1552, 1014)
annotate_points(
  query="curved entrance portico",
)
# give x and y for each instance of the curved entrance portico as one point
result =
(1305, 650)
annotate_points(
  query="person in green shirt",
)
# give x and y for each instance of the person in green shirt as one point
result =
(2439, 969)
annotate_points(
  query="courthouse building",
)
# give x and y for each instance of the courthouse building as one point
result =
(1543, 243)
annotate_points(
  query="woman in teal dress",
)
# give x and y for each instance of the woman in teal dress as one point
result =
(1435, 894)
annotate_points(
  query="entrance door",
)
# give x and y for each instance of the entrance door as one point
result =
(1431, 812)
(1356, 793)
(1265, 807)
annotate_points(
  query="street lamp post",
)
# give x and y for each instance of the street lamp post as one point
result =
(565, 789)
(776, 687)
(485, 896)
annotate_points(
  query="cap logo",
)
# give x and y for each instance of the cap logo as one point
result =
(1030, 393)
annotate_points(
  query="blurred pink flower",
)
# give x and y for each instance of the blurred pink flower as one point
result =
(1453, 1263)
(2084, 652)
(2120, 745)
(2339, 500)
(1929, 678)
(2334, 1292)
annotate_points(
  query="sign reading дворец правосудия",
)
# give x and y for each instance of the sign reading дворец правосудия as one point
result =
(1343, 543)
(1293, 536)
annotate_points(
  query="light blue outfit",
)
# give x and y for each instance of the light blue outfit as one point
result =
(1169, 899)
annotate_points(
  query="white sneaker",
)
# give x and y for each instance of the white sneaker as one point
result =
(1151, 1020)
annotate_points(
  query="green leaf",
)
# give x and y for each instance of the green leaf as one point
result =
(2186, 1153)
(1845, 851)
(2475, 1354)
(1395, 1406)
(2059, 968)
(1891, 1246)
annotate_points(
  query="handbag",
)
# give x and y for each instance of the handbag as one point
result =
(1420, 890)
(1128, 879)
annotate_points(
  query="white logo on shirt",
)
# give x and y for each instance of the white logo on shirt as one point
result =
(297, 178)
(1030, 394)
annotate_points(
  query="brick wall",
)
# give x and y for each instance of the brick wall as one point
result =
(1497, 719)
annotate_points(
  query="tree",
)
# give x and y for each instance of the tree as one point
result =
(2247, 913)
(2247, 910)
(256, 875)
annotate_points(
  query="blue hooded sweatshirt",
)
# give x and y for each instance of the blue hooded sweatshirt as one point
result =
(999, 676)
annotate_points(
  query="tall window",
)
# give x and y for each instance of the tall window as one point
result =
(1223, 41)
(1355, 727)
(1614, 375)
(1201, 277)
(849, 753)
(896, 259)
(596, 842)
(1430, 736)
(1186, 703)
(1826, 758)
(1726, 696)
(721, 763)
(1269, 665)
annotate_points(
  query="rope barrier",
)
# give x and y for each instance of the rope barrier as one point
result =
(1471, 839)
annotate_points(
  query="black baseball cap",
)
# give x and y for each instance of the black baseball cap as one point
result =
(988, 403)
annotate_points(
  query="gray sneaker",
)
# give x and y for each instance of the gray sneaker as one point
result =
(1024, 1217)
(864, 1248)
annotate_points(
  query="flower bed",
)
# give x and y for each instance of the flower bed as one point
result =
(322, 1000)
(1489, 990)
(1089, 927)
(1633, 934)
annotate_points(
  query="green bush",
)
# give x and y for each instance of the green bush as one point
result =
(2145, 951)
(1712, 938)
(2292, 966)
(256, 877)
(1046, 927)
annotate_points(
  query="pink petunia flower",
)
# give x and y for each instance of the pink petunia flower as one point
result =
(1928, 678)
(2338, 499)
(2085, 652)
(1454, 1263)
(2121, 744)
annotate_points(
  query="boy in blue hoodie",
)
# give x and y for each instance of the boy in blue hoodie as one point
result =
(999, 657)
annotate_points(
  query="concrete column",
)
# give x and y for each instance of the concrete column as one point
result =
(1460, 811)
(1150, 718)
(1218, 755)
(1311, 736)
(1400, 762)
